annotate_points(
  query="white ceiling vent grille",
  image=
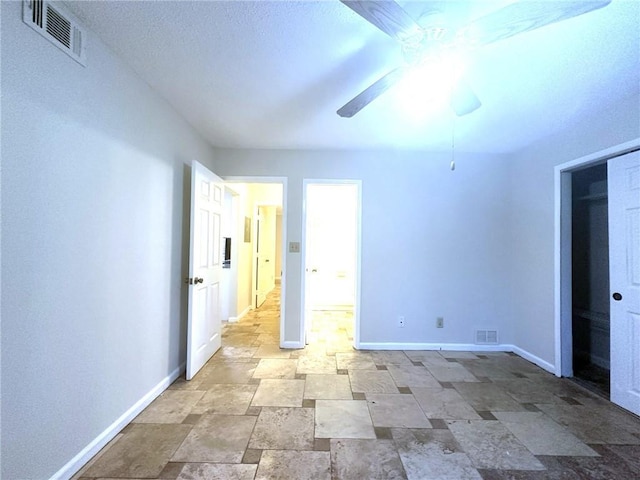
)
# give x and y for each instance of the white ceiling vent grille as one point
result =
(55, 24)
(486, 337)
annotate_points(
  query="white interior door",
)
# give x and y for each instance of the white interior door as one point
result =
(624, 265)
(265, 253)
(205, 268)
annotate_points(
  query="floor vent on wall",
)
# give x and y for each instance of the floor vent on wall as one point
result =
(487, 337)
(55, 24)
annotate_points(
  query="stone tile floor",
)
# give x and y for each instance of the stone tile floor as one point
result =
(330, 412)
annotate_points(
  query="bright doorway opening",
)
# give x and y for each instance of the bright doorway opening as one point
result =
(254, 236)
(331, 257)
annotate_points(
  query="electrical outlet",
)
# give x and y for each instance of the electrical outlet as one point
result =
(401, 321)
(440, 322)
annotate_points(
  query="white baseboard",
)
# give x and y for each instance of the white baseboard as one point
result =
(456, 347)
(534, 359)
(461, 347)
(88, 452)
(296, 345)
(239, 317)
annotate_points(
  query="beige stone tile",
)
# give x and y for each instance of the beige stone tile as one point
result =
(428, 358)
(450, 372)
(523, 390)
(316, 364)
(225, 373)
(229, 352)
(590, 426)
(217, 439)
(487, 368)
(271, 351)
(141, 452)
(279, 393)
(390, 358)
(268, 339)
(327, 387)
(208, 471)
(433, 455)
(183, 384)
(365, 459)
(355, 361)
(411, 376)
(276, 368)
(280, 464)
(393, 410)
(283, 429)
(543, 436)
(490, 445)
(444, 403)
(343, 419)
(226, 399)
(456, 354)
(240, 339)
(315, 348)
(172, 406)
(486, 397)
(366, 381)
(81, 473)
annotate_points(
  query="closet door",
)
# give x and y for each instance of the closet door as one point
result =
(624, 279)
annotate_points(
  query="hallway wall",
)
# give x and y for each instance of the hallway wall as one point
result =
(95, 226)
(431, 238)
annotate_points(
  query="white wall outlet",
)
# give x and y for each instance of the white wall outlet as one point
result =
(440, 322)
(401, 321)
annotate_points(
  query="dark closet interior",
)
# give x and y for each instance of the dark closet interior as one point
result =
(590, 278)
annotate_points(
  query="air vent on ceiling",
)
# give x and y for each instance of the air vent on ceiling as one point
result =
(487, 337)
(54, 23)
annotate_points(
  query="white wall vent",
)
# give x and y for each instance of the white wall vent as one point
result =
(487, 337)
(53, 22)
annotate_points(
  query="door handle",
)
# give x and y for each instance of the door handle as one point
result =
(198, 280)
(617, 296)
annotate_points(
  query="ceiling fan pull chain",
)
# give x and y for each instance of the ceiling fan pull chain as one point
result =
(453, 136)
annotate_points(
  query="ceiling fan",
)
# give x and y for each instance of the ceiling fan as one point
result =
(429, 40)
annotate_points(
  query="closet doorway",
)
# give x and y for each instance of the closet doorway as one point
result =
(590, 312)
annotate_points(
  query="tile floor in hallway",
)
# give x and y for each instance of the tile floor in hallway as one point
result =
(330, 412)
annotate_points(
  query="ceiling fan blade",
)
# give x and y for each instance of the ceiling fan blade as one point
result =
(387, 15)
(371, 93)
(524, 16)
(463, 99)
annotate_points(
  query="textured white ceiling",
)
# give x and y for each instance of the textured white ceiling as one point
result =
(271, 74)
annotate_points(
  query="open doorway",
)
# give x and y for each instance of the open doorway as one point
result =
(590, 278)
(331, 263)
(255, 237)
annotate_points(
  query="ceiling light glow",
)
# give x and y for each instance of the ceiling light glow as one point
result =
(427, 87)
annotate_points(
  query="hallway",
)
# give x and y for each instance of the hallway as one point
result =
(331, 412)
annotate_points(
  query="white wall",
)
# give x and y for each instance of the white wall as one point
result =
(532, 200)
(94, 200)
(433, 241)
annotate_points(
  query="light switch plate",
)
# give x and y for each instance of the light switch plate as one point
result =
(294, 247)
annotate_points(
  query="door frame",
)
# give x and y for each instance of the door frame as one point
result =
(230, 180)
(562, 250)
(303, 252)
